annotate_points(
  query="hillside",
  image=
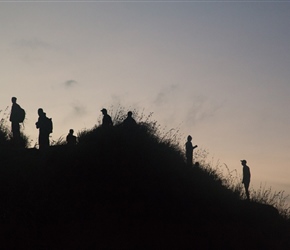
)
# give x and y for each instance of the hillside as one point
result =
(125, 189)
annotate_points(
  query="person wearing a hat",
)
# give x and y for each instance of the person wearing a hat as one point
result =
(246, 177)
(107, 120)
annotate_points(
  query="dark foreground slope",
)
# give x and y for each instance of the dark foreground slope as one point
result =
(125, 189)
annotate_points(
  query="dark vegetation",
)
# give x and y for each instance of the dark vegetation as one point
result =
(126, 189)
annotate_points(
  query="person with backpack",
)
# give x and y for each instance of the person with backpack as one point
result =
(17, 116)
(44, 124)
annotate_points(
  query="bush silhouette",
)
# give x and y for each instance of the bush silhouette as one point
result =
(6, 138)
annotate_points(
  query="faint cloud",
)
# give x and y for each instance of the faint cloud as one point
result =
(70, 83)
(116, 100)
(165, 95)
(160, 98)
(78, 109)
(177, 104)
(200, 109)
(34, 50)
(34, 44)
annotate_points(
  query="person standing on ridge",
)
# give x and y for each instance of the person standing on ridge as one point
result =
(129, 122)
(71, 139)
(189, 150)
(44, 124)
(17, 116)
(246, 177)
(107, 120)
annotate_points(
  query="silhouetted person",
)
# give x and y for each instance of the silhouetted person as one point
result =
(107, 120)
(189, 150)
(129, 122)
(71, 139)
(246, 177)
(15, 119)
(44, 125)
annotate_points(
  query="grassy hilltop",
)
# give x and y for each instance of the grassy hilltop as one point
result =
(125, 189)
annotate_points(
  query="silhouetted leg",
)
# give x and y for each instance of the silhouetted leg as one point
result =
(40, 141)
(189, 160)
(15, 127)
(247, 190)
(43, 140)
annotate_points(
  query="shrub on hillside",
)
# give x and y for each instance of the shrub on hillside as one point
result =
(6, 138)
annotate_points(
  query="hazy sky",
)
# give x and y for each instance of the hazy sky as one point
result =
(217, 70)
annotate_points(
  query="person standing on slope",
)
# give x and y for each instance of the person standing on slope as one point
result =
(44, 124)
(15, 119)
(107, 120)
(246, 177)
(189, 150)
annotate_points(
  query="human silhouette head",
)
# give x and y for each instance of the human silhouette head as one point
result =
(104, 111)
(130, 114)
(40, 112)
(13, 99)
(244, 162)
(71, 131)
(189, 138)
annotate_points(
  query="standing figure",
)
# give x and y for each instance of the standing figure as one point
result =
(246, 177)
(44, 125)
(107, 120)
(129, 122)
(71, 139)
(189, 150)
(16, 117)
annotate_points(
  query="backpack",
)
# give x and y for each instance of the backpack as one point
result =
(48, 125)
(21, 115)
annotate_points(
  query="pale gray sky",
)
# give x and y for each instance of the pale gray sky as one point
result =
(218, 70)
